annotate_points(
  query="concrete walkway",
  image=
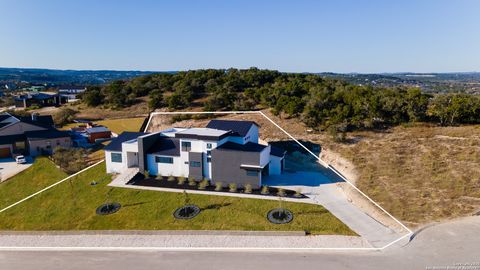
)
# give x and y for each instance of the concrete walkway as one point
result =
(318, 187)
(178, 240)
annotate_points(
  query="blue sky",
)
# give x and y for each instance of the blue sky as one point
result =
(297, 36)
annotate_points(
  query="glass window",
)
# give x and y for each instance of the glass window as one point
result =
(209, 159)
(252, 173)
(168, 160)
(209, 153)
(209, 146)
(195, 164)
(116, 157)
(186, 162)
(186, 146)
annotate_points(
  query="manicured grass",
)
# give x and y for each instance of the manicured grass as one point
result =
(116, 125)
(120, 125)
(41, 174)
(71, 206)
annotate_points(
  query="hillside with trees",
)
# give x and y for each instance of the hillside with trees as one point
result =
(319, 102)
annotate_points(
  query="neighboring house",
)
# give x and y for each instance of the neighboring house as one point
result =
(39, 99)
(97, 132)
(225, 151)
(30, 135)
(86, 135)
(71, 93)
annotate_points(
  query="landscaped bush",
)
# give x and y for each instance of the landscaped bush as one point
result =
(265, 190)
(204, 184)
(297, 194)
(159, 177)
(181, 180)
(232, 187)
(191, 181)
(171, 178)
(248, 188)
(281, 192)
(218, 186)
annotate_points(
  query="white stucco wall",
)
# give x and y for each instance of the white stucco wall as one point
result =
(275, 167)
(165, 169)
(251, 136)
(265, 156)
(115, 167)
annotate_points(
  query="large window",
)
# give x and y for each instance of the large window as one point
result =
(209, 146)
(195, 164)
(186, 146)
(116, 157)
(252, 172)
(168, 160)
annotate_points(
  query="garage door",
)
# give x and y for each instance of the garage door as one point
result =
(5, 152)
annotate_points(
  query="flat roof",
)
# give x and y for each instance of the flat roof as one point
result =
(202, 133)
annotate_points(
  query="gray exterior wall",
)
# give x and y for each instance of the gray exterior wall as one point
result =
(226, 167)
(36, 147)
(144, 143)
(196, 172)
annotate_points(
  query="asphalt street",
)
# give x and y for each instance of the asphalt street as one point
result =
(454, 244)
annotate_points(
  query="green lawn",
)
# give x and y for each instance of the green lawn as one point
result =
(41, 174)
(116, 125)
(120, 125)
(71, 206)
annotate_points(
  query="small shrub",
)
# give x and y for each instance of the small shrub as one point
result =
(159, 177)
(218, 186)
(171, 178)
(147, 173)
(181, 180)
(297, 194)
(204, 184)
(232, 187)
(191, 181)
(281, 192)
(265, 190)
(248, 188)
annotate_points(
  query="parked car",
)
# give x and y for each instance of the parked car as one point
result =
(20, 159)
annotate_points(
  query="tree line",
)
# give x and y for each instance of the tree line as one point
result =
(319, 102)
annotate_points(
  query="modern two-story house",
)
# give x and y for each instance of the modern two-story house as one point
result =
(224, 151)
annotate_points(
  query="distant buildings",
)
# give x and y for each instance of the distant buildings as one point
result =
(71, 93)
(86, 135)
(39, 100)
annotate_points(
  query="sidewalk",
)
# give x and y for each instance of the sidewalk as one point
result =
(177, 240)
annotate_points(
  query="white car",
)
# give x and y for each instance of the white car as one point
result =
(20, 159)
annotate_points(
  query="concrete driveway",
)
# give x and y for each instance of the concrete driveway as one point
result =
(9, 168)
(321, 186)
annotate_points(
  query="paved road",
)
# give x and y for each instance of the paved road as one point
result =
(441, 245)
